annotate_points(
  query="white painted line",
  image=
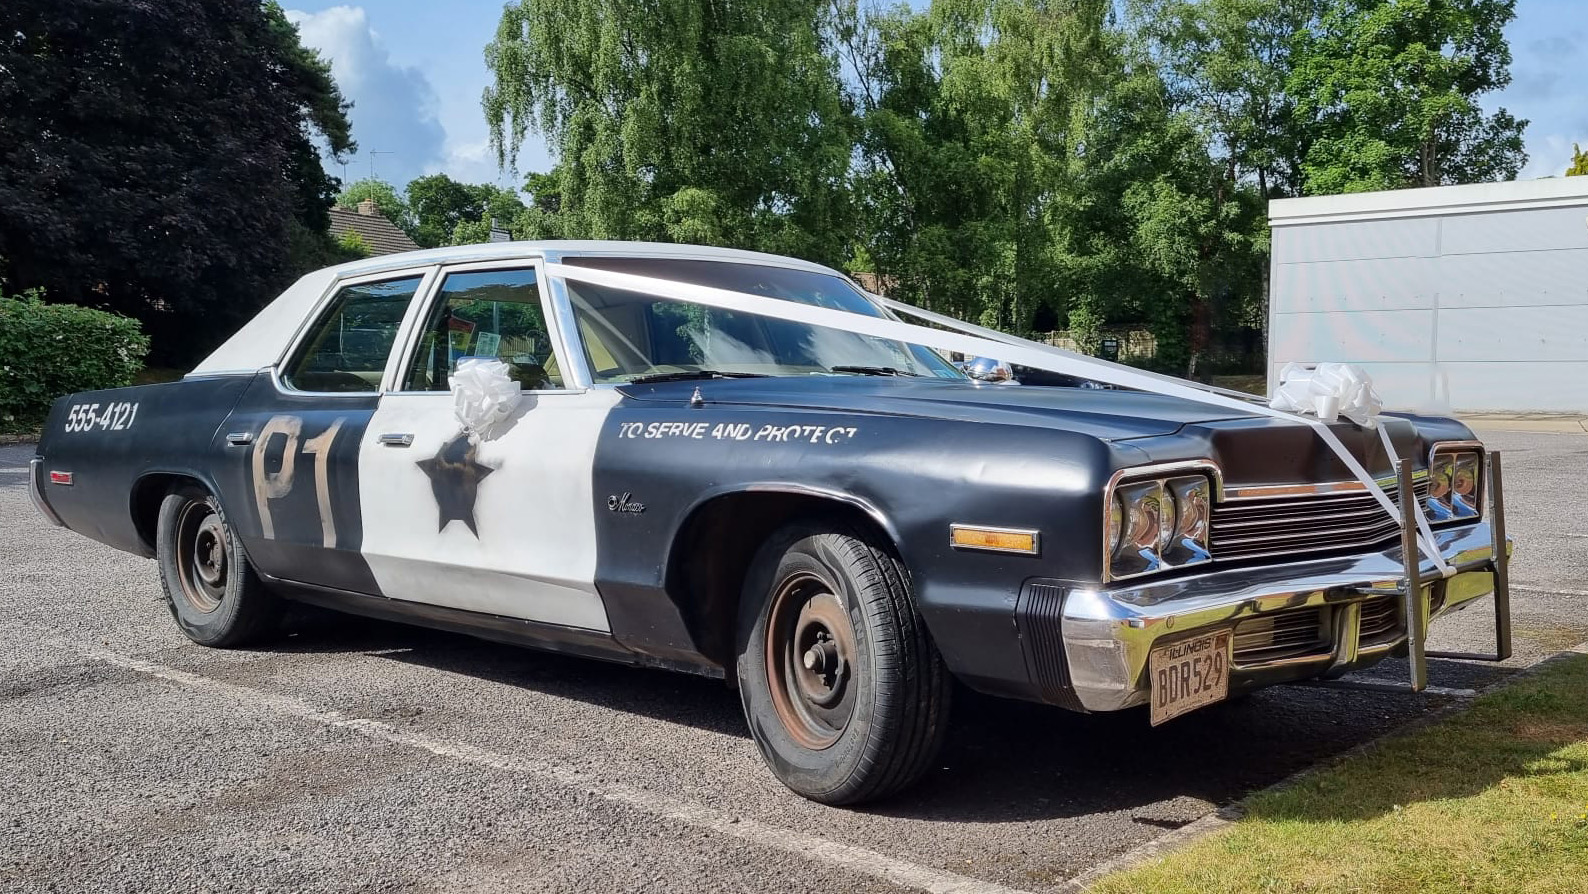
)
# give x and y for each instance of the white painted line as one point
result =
(1549, 591)
(812, 847)
(1453, 693)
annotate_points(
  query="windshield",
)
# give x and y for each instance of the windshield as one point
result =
(630, 335)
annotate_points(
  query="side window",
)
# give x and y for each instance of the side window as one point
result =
(490, 313)
(348, 346)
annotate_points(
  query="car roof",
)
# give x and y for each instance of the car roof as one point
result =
(264, 339)
(554, 248)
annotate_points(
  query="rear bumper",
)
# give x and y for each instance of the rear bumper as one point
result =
(36, 492)
(1108, 633)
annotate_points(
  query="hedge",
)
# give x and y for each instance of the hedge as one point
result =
(47, 350)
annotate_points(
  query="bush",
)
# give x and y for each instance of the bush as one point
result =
(47, 350)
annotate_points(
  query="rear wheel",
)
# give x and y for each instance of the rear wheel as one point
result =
(212, 591)
(844, 691)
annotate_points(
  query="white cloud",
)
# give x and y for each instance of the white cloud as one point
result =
(394, 107)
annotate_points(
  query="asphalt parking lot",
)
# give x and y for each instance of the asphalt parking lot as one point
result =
(355, 755)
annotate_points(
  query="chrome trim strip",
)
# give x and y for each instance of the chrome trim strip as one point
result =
(1268, 491)
(578, 371)
(35, 469)
(1036, 539)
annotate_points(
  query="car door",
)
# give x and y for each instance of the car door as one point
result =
(502, 525)
(291, 444)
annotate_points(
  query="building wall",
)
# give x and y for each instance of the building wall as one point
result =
(1464, 297)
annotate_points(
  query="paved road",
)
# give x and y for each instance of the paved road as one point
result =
(363, 756)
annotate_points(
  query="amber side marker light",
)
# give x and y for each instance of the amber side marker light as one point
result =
(998, 540)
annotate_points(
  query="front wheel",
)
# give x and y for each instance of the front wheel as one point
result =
(212, 591)
(843, 689)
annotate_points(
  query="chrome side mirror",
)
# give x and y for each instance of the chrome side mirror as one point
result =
(987, 369)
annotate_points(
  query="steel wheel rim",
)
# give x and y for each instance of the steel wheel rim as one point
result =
(810, 661)
(201, 556)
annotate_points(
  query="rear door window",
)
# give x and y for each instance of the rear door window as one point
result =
(347, 349)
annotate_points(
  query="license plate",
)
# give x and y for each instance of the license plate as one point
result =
(1188, 674)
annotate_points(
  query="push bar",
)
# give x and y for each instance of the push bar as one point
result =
(1410, 587)
(1411, 583)
(1411, 578)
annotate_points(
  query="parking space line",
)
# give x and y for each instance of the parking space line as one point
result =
(812, 847)
(1548, 590)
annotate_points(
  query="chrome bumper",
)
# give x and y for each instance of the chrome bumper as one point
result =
(1108, 632)
(35, 473)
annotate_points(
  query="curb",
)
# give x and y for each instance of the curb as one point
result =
(1560, 424)
(1228, 815)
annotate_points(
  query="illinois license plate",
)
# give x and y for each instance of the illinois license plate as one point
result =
(1189, 673)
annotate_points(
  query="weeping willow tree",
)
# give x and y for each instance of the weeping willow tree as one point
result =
(679, 120)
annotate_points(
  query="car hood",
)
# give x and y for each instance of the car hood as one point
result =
(1105, 414)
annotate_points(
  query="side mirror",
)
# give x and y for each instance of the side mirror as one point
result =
(987, 369)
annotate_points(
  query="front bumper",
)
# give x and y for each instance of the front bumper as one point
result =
(1108, 633)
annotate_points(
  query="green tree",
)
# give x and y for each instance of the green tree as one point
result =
(439, 204)
(1579, 162)
(968, 118)
(387, 201)
(1227, 63)
(1389, 89)
(680, 120)
(501, 207)
(157, 159)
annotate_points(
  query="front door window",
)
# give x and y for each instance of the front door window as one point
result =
(491, 314)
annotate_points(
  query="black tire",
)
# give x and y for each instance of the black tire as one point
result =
(211, 589)
(856, 716)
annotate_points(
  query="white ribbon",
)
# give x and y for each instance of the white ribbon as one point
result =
(978, 341)
(483, 394)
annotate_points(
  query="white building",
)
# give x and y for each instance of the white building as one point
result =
(1468, 298)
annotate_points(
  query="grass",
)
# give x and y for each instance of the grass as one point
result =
(1257, 384)
(1494, 799)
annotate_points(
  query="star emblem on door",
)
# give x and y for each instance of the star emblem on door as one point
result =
(455, 474)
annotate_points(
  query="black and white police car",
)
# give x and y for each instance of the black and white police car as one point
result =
(744, 466)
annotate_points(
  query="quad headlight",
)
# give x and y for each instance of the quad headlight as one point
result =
(1155, 524)
(1455, 482)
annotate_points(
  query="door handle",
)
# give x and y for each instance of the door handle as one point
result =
(240, 438)
(396, 440)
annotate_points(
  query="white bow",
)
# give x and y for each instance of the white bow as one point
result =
(483, 394)
(1328, 390)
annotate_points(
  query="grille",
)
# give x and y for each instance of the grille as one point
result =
(1280, 635)
(1380, 621)
(1280, 526)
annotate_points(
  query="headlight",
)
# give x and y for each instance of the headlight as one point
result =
(1157, 524)
(1454, 483)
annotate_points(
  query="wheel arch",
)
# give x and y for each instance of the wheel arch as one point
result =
(149, 491)
(735, 522)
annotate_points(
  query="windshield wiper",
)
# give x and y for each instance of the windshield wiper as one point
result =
(870, 370)
(686, 375)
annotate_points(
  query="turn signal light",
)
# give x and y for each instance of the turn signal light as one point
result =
(1002, 540)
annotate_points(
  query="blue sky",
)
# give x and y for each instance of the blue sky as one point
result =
(415, 70)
